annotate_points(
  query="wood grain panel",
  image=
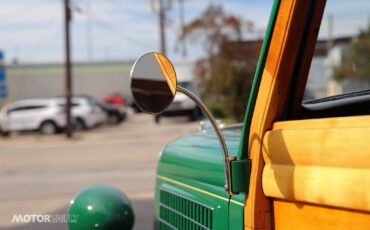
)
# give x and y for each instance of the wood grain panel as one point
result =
(302, 216)
(337, 122)
(328, 166)
(331, 147)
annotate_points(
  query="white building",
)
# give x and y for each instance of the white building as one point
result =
(320, 81)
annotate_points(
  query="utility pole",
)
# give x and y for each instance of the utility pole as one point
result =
(89, 42)
(330, 41)
(162, 32)
(68, 73)
(333, 87)
(182, 25)
(160, 7)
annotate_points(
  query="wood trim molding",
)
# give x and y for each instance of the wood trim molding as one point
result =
(337, 122)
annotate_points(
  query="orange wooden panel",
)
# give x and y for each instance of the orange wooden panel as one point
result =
(328, 166)
(337, 122)
(321, 169)
(302, 216)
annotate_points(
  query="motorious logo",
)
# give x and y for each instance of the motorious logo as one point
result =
(38, 218)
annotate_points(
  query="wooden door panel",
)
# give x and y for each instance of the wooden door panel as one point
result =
(318, 166)
(302, 216)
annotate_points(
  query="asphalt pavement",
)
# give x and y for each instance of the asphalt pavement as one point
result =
(41, 174)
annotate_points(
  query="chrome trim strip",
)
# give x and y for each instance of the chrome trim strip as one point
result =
(191, 187)
(198, 190)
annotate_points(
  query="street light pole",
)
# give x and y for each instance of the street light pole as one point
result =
(68, 73)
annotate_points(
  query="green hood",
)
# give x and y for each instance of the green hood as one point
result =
(198, 156)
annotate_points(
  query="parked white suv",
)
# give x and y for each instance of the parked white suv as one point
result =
(85, 111)
(44, 115)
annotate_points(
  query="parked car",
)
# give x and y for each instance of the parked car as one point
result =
(114, 114)
(115, 100)
(86, 112)
(43, 115)
(181, 106)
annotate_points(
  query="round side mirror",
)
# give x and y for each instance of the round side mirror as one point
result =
(154, 86)
(153, 82)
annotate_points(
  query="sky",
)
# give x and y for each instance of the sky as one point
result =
(32, 30)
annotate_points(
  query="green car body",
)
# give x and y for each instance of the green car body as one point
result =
(190, 183)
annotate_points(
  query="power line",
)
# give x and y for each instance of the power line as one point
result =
(105, 25)
(124, 36)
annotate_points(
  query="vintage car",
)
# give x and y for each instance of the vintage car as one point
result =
(291, 165)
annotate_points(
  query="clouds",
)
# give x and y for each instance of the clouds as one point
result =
(124, 29)
(121, 29)
(28, 27)
(349, 17)
(16, 13)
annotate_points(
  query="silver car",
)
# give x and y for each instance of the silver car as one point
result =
(43, 115)
(86, 113)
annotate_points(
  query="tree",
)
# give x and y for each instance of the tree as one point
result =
(356, 65)
(224, 75)
(361, 55)
(214, 26)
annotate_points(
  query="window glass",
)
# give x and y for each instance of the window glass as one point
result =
(341, 62)
(73, 104)
(26, 108)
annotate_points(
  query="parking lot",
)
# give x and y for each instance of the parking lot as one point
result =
(41, 174)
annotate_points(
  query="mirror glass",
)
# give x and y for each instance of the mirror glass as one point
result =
(153, 82)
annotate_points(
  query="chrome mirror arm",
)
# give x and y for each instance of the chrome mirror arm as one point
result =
(226, 158)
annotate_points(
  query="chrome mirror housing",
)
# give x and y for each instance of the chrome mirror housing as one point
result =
(153, 83)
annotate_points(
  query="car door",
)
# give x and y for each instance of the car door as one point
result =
(15, 117)
(33, 115)
(318, 171)
(307, 172)
(25, 117)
